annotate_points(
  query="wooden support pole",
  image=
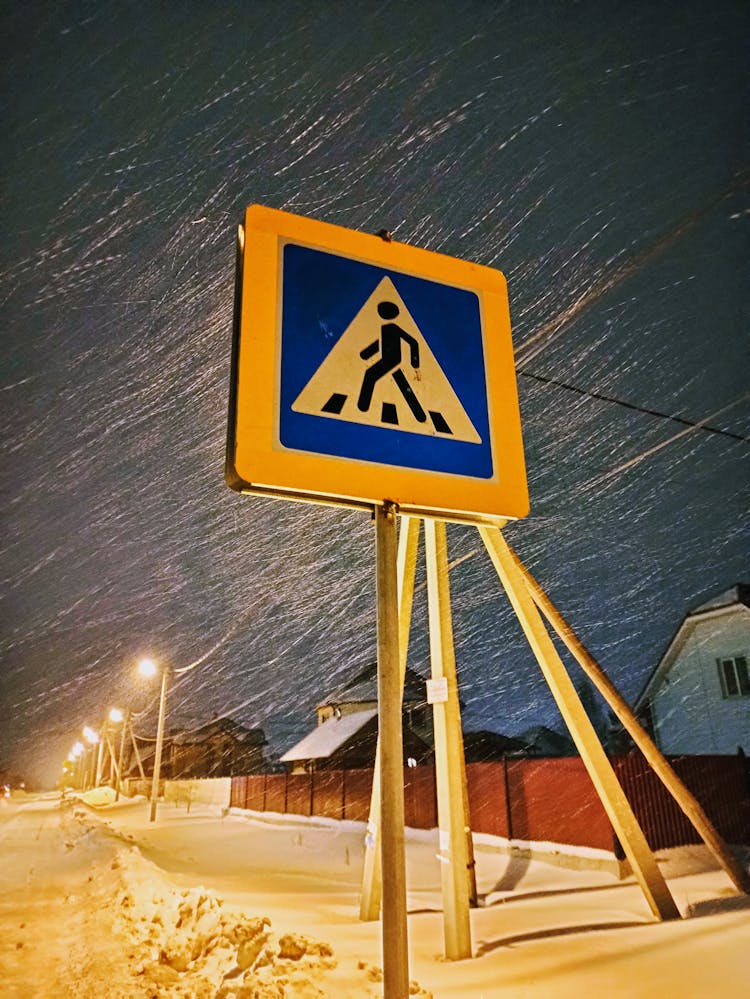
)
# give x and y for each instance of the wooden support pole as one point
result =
(90, 772)
(99, 758)
(654, 757)
(121, 754)
(393, 857)
(159, 744)
(369, 905)
(471, 865)
(453, 822)
(137, 753)
(600, 770)
(114, 769)
(112, 761)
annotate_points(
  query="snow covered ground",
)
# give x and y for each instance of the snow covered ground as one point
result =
(99, 903)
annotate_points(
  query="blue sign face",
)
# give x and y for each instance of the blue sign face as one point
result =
(381, 366)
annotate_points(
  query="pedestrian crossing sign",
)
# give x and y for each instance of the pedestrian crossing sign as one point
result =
(366, 370)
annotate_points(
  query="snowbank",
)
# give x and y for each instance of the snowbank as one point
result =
(187, 943)
(99, 797)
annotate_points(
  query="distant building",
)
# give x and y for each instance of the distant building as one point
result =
(698, 698)
(346, 735)
(219, 748)
(484, 746)
(542, 741)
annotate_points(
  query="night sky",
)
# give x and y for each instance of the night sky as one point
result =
(595, 153)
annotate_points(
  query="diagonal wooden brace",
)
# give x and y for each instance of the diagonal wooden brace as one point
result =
(600, 770)
(656, 760)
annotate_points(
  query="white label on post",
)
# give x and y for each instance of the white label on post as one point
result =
(437, 690)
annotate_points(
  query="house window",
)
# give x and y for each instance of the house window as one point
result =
(734, 678)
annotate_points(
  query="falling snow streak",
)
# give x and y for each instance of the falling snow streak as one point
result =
(554, 327)
(596, 161)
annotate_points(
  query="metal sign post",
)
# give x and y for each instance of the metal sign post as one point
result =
(369, 908)
(390, 686)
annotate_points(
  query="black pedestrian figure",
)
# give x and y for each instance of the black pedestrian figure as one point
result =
(389, 345)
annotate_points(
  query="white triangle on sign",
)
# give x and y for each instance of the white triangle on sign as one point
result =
(381, 373)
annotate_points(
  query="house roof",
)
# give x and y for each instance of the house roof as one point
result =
(720, 604)
(484, 745)
(325, 739)
(546, 741)
(362, 688)
(212, 728)
(737, 594)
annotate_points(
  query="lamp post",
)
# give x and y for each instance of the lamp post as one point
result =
(117, 717)
(148, 667)
(75, 759)
(100, 754)
(92, 738)
(114, 718)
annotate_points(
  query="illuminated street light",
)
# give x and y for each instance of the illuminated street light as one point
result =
(90, 735)
(147, 667)
(115, 716)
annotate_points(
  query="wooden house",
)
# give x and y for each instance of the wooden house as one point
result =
(346, 733)
(219, 748)
(697, 700)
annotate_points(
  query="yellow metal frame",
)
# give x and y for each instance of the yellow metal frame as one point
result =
(258, 463)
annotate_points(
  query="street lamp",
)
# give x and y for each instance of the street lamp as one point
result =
(148, 668)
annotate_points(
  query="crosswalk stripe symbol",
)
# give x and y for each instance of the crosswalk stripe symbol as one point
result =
(382, 373)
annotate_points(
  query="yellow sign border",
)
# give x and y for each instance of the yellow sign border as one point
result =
(257, 463)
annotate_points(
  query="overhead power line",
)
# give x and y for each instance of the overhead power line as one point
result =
(695, 424)
(658, 447)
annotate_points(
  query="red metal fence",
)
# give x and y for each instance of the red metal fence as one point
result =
(720, 783)
(541, 800)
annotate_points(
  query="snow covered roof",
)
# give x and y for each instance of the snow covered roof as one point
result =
(325, 739)
(736, 596)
